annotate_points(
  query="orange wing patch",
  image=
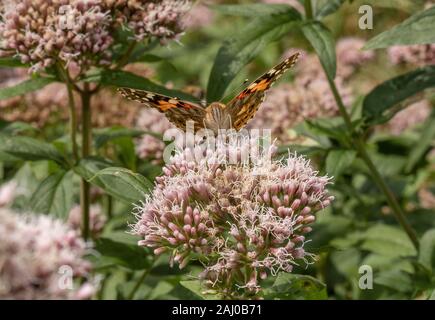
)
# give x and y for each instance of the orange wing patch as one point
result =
(262, 85)
(166, 105)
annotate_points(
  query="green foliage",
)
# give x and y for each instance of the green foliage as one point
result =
(116, 251)
(418, 29)
(26, 148)
(54, 195)
(358, 229)
(388, 94)
(321, 39)
(295, 286)
(122, 184)
(240, 49)
(126, 79)
(25, 87)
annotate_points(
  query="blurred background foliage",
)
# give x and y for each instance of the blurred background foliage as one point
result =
(358, 229)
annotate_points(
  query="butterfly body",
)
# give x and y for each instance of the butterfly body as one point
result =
(216, 115)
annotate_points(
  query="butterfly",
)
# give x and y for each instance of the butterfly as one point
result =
(215, 116)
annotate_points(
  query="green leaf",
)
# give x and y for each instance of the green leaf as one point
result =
(54, 195)
(124, 254)
(16, 127)
(388, 241)
(240, 49)
(288, 286)
(328, 7)
(196, 287)
(394, 279)
(249, 10)
(424, 143)
(11, 62)
(126, 79)
(427, 250)
(25, 87)
(88, 167)
(122, 184)
(30, 149)
(394, 91)
(323, 43)
(338, 161)
(102, 136)
(418, 29)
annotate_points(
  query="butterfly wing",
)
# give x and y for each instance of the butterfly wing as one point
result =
(244, 106)
(177, 111)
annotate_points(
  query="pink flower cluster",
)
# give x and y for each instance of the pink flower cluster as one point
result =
(409, 117)
(40, 257)
(417, 55)
(80, 32)
(160, 19)
(148, 146)
(241, 220)
(97, 219)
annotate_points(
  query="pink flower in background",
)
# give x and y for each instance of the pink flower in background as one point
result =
(8, 192)
(97, 219)
(41, 31)
(148, 146)
(409, 117)
(238, 218)
(294, 3)
(40, 257)
(199, 16)
(79, 32)
(161, 19)
(350, 56)
(418, 55)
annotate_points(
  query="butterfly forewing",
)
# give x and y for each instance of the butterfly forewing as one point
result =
(177, 111)
(244, 106)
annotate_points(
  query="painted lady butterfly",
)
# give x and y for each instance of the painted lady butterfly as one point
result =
(235, 114)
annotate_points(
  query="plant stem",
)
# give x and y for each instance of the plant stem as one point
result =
(126, 56)
(86, 151)
(376, 176)
(72, 111)
(140, 281)
(308, 9)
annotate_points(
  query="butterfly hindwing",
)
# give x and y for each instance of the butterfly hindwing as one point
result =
(177, 111)
(244, 106)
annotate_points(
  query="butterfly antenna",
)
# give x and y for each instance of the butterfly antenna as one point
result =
(234, 90)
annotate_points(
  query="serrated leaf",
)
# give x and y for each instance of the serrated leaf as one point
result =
(339, 160)
(239, 50)
(323, 43)
(418, 29)
(288, 286)
(126, 79)
(30, 149)
(388, 94)
(25, 87)
(55, 195)
(122, 184)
